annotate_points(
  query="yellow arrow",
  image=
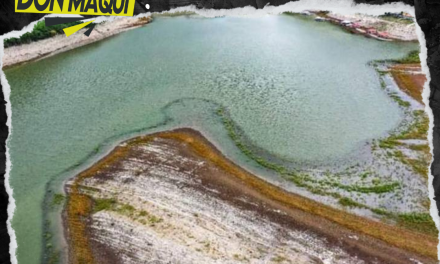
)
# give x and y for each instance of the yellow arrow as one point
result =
(70, 30)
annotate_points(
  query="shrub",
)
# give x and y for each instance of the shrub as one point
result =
(104, 204)
(412, 57)
(40, 32)
(57, 199)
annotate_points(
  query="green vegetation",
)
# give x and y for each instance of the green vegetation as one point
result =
(424, 148)
(381, 72)
(52, 256)
(351, 203)
(154, 219)
(397, 20)
(383, 84)
(399, 100)
(347, 202)
(376, 188)
(111, 204)
(126, 209)
(58, 199)
(143, 213)
(40, 32)
(302, 179)
(421, 222)
(418, 129)
(365, 175)
(419, 166)
(278, 259)
(412, 57)
(104, 204)
(240, 258)
(388, 143)
(89, 189)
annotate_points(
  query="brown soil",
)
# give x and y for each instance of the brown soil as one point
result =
(376, 242)
(410, 79)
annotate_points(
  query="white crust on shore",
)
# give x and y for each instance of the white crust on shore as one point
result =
(193, 222)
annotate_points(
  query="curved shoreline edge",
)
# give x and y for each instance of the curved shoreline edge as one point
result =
(376, 240)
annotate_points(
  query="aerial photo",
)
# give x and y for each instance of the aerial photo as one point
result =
(298, 137)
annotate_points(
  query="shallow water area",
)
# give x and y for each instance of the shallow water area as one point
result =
(302, 91)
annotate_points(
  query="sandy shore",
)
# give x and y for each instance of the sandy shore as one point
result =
(172, 197)
(390, 29)
(395, 30)
(16, 55)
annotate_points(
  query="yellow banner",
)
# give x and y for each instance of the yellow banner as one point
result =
(79, 7)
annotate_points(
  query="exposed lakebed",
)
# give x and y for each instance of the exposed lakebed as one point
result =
(301, 92)
(171, 197)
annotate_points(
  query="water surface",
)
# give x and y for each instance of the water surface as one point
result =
(299, 89)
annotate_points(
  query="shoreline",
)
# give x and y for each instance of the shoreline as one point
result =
(165, 132)
(97, 40)
(21, 54)
(322, 219)
(25, 53)
(64, 217)
(420, 236)
(396, 164)
(375, 27)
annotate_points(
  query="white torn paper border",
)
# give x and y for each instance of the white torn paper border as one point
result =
(11, 205)
(344, 7)
(426, 93)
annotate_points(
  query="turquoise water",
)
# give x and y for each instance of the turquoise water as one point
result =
(299, 89)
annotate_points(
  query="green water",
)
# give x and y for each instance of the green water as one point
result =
(299, 89)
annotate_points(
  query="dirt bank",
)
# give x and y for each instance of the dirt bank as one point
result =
(410, 79)
(401, 30)
(60, 43)
(172, 196)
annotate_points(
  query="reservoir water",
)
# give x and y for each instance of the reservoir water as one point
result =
(299, 89)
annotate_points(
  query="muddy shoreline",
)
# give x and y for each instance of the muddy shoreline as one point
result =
(355, 235)
(382, 29)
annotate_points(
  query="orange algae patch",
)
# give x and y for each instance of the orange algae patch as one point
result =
(78, 208)
(408, 81)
